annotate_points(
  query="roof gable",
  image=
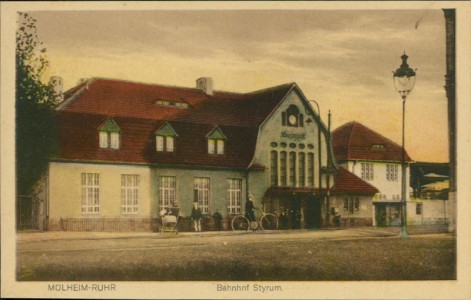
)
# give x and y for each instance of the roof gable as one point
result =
(110, 126)
(216, 134)
(354, 141)
(140, 100)
(348, 183)
(166, 130)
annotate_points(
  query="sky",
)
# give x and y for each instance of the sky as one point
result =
(343, 59)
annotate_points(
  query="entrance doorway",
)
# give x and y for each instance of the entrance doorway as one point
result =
(299, 211)
(388, 214)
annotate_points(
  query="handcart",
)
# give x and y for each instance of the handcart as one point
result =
(169, 220)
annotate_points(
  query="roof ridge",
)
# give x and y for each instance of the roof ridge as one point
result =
(156, 84)
(271, 88)
(379, 134)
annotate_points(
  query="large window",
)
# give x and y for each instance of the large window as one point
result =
(235, 196)
(202, 193)
(274, 168)
(129, 194)
(391, 172)
(310, 169)
(367, 172)
(90, 193)
(351, 204)
(283, 168)
(302, 169)
(292, 168)
(167, 191)
(295, 169)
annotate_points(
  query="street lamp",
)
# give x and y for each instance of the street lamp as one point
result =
(404, 81)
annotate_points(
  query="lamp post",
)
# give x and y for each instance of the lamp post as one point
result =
(404, 81)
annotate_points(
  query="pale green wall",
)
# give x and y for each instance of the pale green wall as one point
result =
(271, 132)
(65, 197)
(185, 187)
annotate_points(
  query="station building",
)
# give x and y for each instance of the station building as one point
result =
(128, 150)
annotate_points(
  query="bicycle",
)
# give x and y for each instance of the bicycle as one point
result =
(267, 221)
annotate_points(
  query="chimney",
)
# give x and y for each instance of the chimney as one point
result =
(205, 84)
(57, 85)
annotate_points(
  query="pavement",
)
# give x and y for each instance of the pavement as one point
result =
(323, 233)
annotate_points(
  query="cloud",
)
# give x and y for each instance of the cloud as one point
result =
(344, 58)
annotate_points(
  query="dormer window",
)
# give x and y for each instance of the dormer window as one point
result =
(109, 134)
(165, 138)
(216, 141)
(173, 103)
(291, 117)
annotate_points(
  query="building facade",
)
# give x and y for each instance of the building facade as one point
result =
(129, 150)
(376, 160)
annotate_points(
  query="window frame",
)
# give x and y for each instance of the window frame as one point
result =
(392, 172)
(292, 110)
(130, 194)
(351, 204)
(283, 168)
(310, 169)
(202, 193)
(167, 191)
(90, 183)
(109, 135)
(367, 171)
(274, 168)
(163, 145)
(234, 195)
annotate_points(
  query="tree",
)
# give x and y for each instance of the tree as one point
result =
(35, 101)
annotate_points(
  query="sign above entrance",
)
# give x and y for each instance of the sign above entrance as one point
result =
(293, 135)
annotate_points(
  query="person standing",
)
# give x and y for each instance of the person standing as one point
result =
(196, 216)
(249, 209)
(217, 219)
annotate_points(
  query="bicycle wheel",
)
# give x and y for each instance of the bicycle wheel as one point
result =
(269, 222)
(240, 223)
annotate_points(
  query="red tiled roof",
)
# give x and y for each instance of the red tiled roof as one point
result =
(78, 134)
(138, 100)
(354, 141)
(349, 183)
(133, 107)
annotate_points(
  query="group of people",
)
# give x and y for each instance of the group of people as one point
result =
(197, 215)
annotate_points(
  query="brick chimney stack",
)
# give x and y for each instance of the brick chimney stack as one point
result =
(205, 84)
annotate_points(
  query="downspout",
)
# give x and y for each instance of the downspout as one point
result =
(327, 213)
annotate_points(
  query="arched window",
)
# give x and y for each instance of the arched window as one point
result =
(292, 117)
(283, 168)
(274, 168)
